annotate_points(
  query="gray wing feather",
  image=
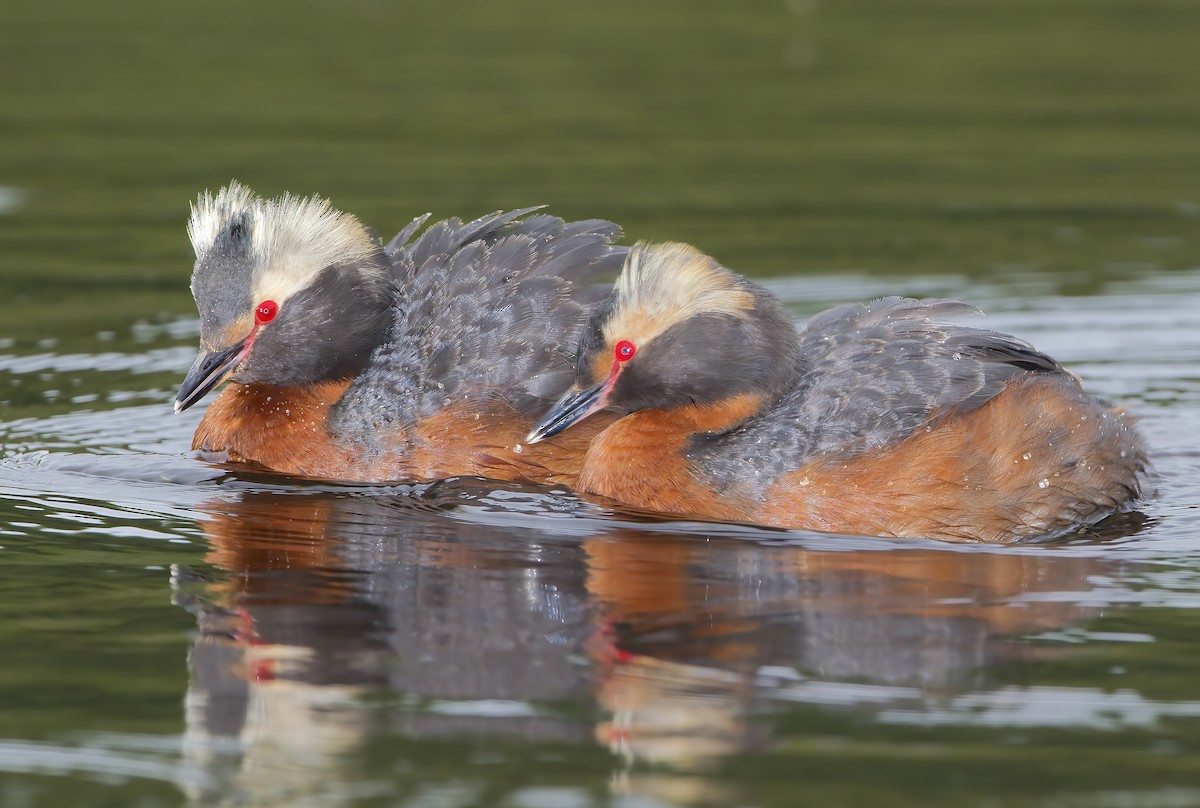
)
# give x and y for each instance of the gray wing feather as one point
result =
(445, 237)
(871, 375)
(488, 309)
(405, 235)
(874, 373)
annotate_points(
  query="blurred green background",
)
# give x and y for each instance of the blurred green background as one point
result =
(900, 140)
(784, 137)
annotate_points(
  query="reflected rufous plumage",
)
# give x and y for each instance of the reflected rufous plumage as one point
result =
(426, 358)
(877, 419)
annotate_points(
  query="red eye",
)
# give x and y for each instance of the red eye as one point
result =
(624, 350)
(266, 312)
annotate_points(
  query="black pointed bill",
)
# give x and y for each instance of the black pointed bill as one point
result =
(570, 409)
(210, 369)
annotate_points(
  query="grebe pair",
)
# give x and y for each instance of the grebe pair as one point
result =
(486, 349)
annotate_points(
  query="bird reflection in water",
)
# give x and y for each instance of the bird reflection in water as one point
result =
(335, 618)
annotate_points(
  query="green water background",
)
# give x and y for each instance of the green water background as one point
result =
(977, 137)
(915, 137)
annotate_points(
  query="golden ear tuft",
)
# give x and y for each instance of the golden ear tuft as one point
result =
(284, 242)
(664, 284)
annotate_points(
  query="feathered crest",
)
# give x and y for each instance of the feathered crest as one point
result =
(664, 284)
(286, 240)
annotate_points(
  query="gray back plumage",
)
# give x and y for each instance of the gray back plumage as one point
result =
(490, 309)
(871, 375)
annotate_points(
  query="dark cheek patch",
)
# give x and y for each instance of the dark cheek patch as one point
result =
(325, 331)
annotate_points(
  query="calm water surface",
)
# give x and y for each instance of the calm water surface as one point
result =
(172, 632)
(176, 628)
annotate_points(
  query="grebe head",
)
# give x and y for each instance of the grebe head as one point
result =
(678, 330)
(289, 290)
